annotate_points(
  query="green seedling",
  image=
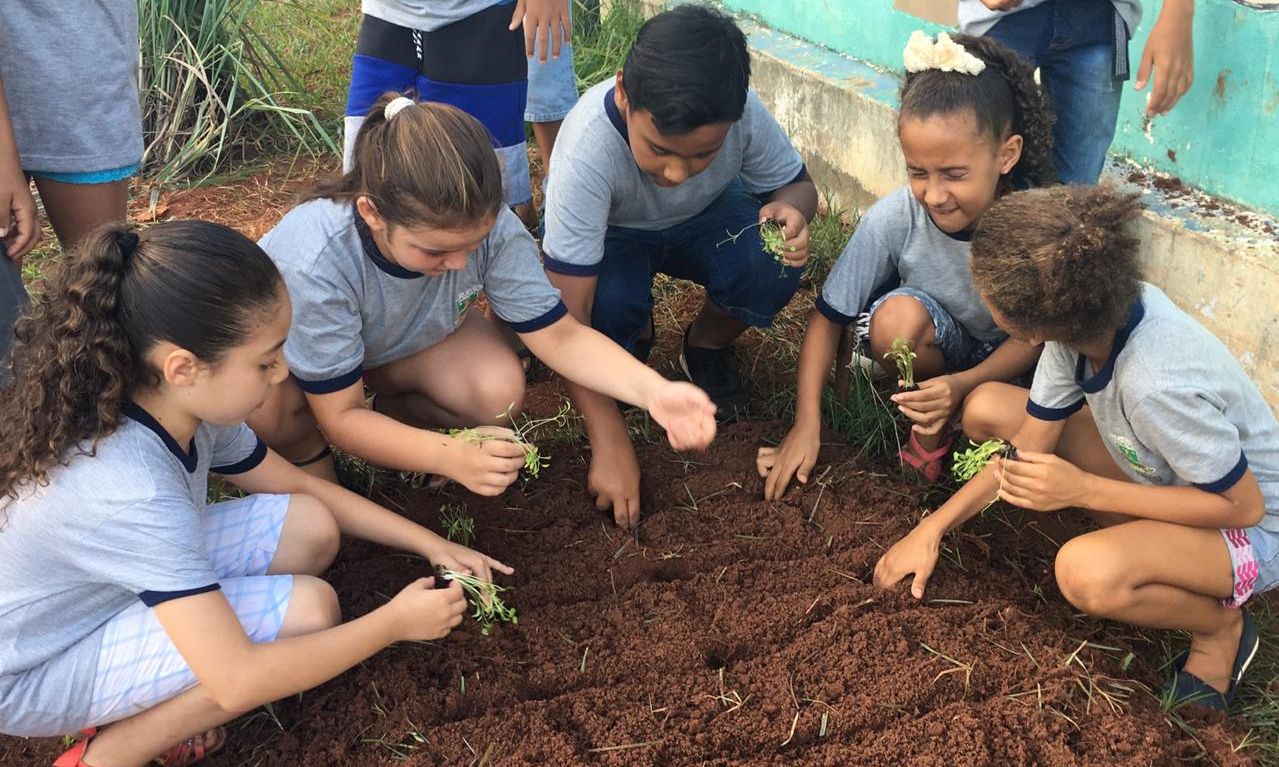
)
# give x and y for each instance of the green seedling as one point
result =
(904, 358)
(485, 598)
(459, 526)
(772, 234)
(969, 463)
(533, 460)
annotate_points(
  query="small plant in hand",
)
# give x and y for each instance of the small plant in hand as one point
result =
(533, 460)
(772, 234)
(970, 462)
(459, 526)
(904, 358)
(485, 598)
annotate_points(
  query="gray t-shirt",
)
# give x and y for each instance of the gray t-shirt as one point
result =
(1171, 403)
(107, 530)
(70, 71)
(976, 19)
(353, 310)
(896, 240)
(595, 183)
(426, 15)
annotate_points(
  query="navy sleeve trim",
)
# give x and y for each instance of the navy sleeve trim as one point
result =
(153, 598)
(572, 270)
(551, 317)
(1052, 413)
(831, 313)
(330, 385)
(1225, 483)
(248, 463)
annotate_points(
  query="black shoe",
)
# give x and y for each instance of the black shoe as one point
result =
(715, 371)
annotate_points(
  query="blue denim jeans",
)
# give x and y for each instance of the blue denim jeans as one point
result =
(1072, 43)
(13, 297)
(740, 277)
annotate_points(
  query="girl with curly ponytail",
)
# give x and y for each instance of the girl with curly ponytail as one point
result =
(1137, 415)
(127, 602)
(973, 126)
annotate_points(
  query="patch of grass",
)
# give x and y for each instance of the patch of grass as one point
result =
(459, 526)
(314, 40)
(600, 44)
(865, 417)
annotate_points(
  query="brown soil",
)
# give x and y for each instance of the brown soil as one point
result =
(730, 631)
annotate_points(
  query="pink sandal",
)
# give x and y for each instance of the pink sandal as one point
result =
(927, 464)
(189, 751)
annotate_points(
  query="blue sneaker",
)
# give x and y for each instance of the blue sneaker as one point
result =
(1184, 688)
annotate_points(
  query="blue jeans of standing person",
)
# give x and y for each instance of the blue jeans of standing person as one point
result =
(740, 277)
(1073, 44)
(12, 298)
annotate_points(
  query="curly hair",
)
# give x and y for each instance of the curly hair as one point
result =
(1004, 98)
(429, 165)
(81, 346)
(1060, 260)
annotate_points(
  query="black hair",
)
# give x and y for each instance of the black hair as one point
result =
(1004, 99)
(81, 346)
(689, 67)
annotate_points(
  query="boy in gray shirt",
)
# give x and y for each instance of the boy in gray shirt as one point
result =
(671, 168)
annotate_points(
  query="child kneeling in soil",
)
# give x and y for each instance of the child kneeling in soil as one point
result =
(973, 125)
(126, 600)
(384, 266)
(1138, 415)
(674, 166)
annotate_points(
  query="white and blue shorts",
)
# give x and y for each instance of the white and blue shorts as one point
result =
(138, 666)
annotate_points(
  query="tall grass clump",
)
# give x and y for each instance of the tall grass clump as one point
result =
(600, 43)
(213, 90)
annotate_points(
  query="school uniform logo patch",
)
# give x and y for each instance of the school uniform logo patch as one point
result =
(1128, 450)
(465, 300)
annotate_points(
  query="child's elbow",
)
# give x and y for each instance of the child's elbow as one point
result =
(1252, 513)
(233, 692)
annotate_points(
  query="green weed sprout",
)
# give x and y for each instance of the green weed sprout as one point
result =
(904, 357)
(485, 600)
(772, 234)
(458, 526)
(969, 463)
(533, 460)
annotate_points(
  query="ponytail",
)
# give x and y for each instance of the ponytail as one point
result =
(421, 164)
(81, 346)
(1061, 260)
(1004, 99)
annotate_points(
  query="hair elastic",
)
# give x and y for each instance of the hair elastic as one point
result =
(922, 53)
(395, 106)
(128, 243)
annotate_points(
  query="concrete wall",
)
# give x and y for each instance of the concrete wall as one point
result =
(1217, 260)
(1228, 121)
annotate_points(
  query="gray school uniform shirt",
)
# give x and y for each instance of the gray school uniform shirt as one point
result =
(896, 242)
(353, 310)
(70, 71)
(426, 15)
(108, 530)
(1171, 403)
(594, 182)
(976, 19)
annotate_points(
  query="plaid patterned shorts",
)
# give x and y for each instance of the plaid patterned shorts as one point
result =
(138, 666)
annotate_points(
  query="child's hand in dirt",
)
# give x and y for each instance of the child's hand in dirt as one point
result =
(613, 480)
(423, 612)
(687, 414)
(916, 553)
(795, 457)
(795, 227)
(454, 556)
(490, 466)
(931, 405)
(1041, 482)
(546, 26)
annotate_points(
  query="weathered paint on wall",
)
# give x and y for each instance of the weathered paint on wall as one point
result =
(1222, 137)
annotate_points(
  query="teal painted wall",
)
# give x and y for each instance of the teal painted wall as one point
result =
(1223, 134)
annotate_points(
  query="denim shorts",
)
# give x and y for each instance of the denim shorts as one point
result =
(719, 249)
(958, 347)
(1254, 562)
(552, 86)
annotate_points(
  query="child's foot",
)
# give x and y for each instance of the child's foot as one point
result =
(926, 462)
(194, 749)
(715, 371)
(1209, 672)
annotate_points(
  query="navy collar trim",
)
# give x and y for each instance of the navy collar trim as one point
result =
(188, 458)
(375, 254)
(615, 115)
(1101, 379)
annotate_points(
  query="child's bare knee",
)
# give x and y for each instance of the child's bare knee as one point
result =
(899, 317)
(313, 606)
(499, 392)
(1089, 577)
(982, 410)
(315, 534)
